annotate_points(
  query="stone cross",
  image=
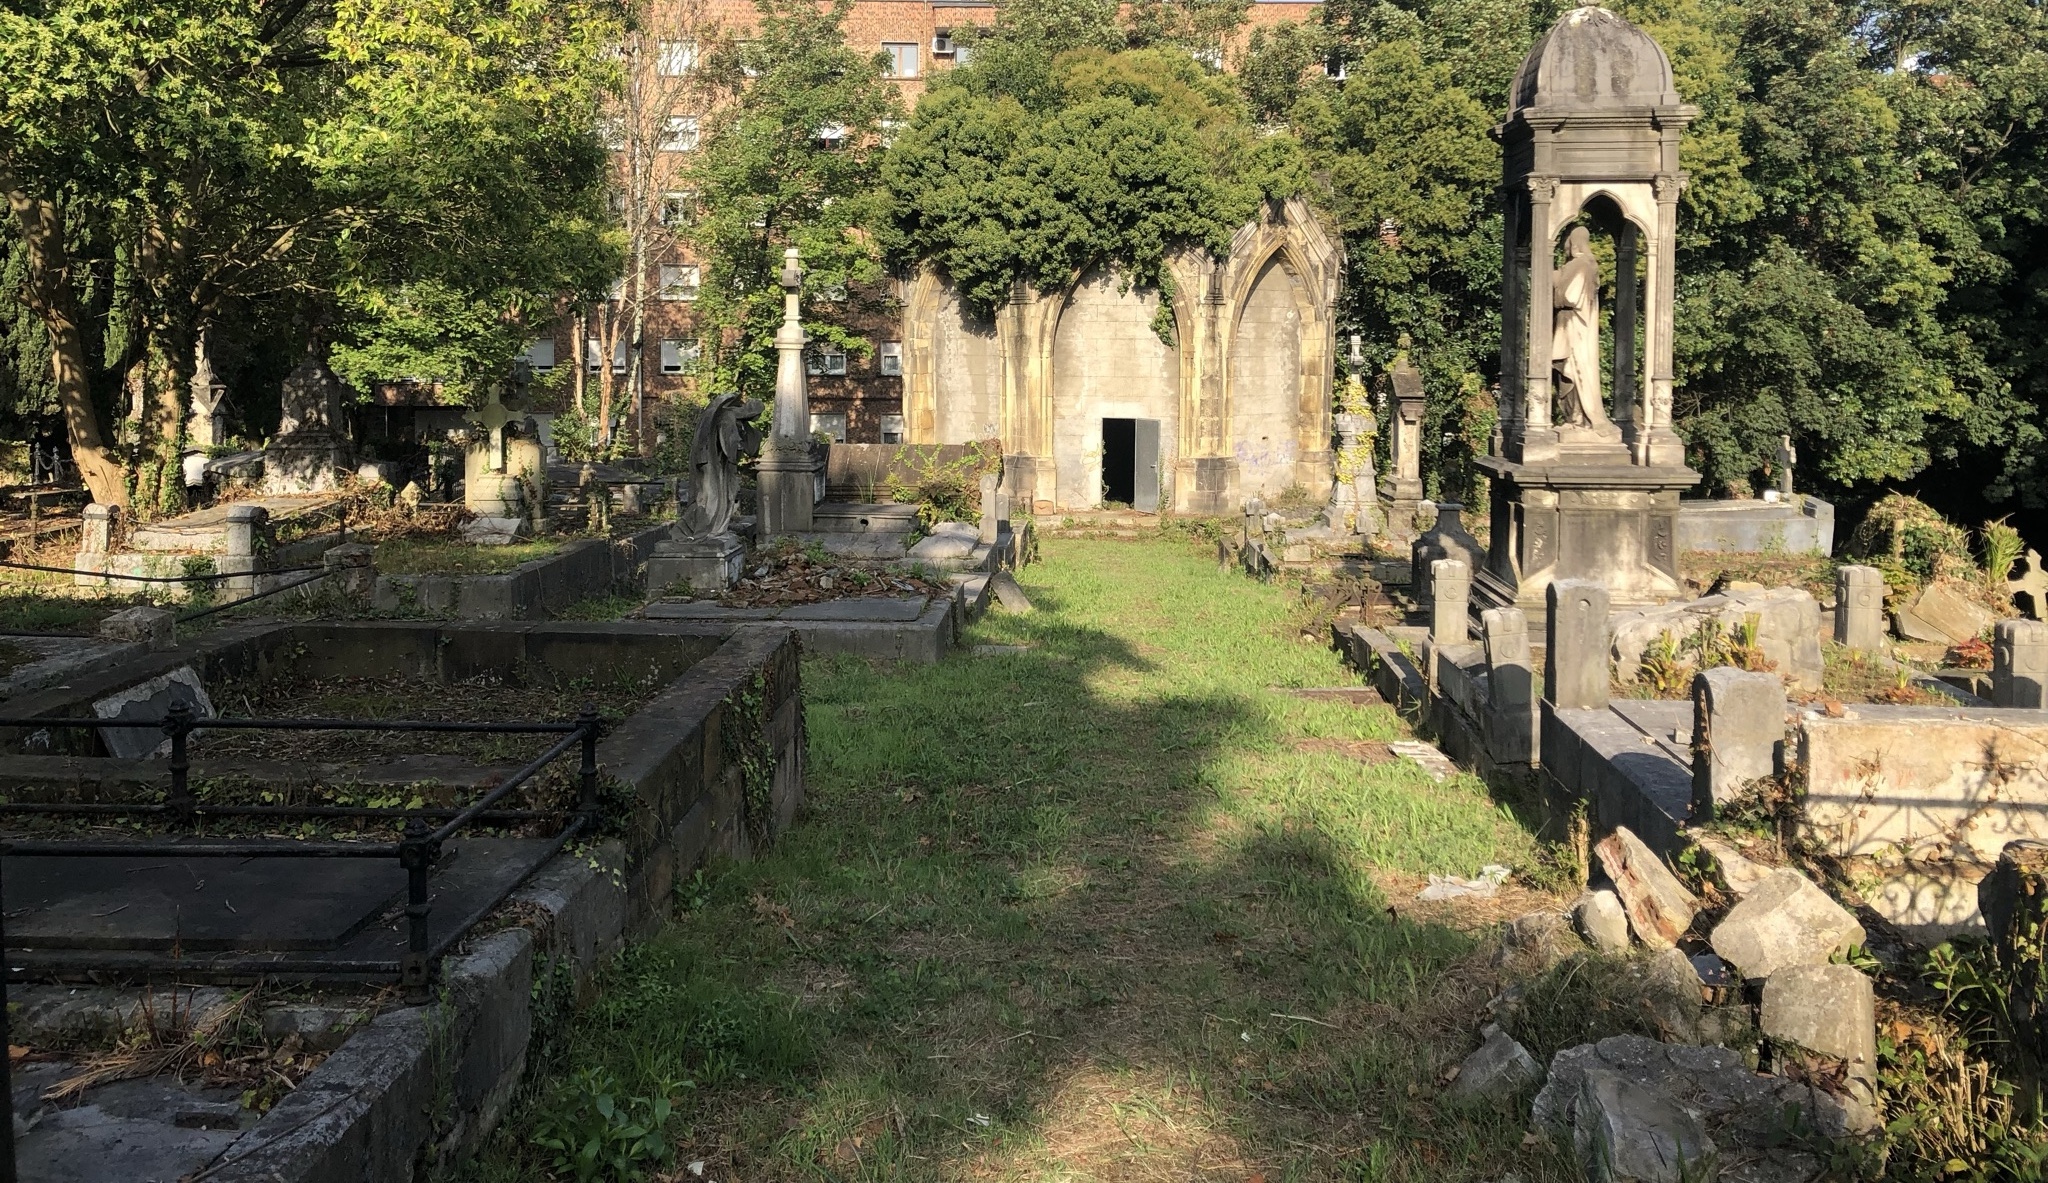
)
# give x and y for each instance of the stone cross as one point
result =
(204, 428)
(1859, 609)
(1787, 457)
(2033, 585)
(2019, 664)
(493, 418)
(1576, 643)
(1738, 734)
(1450, 601)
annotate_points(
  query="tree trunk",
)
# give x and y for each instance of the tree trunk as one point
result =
(51, 298)
(579, 349)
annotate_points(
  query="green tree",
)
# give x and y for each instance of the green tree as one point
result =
(792, 157)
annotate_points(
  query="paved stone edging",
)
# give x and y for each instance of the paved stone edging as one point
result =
(529, 591)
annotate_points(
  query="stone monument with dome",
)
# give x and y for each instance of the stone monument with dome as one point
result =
(1587, 473)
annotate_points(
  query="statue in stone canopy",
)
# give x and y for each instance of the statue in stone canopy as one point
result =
(1575, 334)
(725, 434)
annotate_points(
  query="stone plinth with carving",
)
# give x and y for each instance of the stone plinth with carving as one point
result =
(1586, 482)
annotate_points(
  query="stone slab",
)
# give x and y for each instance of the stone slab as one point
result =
(870, 608)
(135, 1131)
(1925, 783)
(1803, 526)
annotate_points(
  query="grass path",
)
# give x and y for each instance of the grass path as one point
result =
(1115, 907)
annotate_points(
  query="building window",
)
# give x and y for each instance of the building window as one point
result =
(826, 360)
(593, 352)
(902, 58)
(679, 134)
(831, 137)
(892, 429)
(1211, 57)
(617, 292)
(680, 357)
(1335, 68)
(888, 129)
(679, 207)
(540, 354)
(673, 59)
(961, 53)
(891, 359)
(832, 423)
(680, 281)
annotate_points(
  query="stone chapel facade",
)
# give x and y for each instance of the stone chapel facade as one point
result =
(1094, 406)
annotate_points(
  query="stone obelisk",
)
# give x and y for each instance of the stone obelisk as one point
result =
(788, 469)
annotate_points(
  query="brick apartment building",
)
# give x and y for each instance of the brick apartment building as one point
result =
(853, 398)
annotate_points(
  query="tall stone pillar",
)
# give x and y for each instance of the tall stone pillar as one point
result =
(1538, 438)
(788, 470)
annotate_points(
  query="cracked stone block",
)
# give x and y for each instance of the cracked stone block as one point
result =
(1659, 906)
(1784, 922)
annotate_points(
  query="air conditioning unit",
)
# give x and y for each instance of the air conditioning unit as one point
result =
(942, 44)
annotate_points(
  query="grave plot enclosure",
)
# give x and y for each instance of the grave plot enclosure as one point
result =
(367, 793)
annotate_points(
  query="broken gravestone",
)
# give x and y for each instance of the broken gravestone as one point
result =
(1785, 921)
(1008, 595)
(1829, 1010)
(1624, 1134)
(1602, 921)
(1941, 613)
(149, 626)
(1659, 906)
(2014, 901)
(1735, 871)
(149, 702)
(1744, 1115)
(1499, 1068)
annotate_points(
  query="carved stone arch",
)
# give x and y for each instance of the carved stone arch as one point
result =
(920, 295)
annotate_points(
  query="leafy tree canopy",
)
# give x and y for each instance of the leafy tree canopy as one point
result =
(1029, 164)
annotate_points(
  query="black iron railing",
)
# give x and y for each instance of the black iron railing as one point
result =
(416, 851)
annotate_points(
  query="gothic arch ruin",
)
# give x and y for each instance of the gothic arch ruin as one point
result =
(1240, 399)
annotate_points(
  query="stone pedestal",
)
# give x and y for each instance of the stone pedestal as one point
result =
(788, 489)
(1596, 517)
(1859, 609)
(709, 565)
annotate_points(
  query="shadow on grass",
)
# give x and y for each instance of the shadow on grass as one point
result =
(1031, 925)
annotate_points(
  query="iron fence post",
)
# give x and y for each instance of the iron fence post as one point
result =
(416, 855)
(7, 1174)
(178, 725)
(587, 791)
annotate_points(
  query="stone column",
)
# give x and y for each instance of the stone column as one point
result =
(787, 471)
(96, 537)
(1576, 644)
(1859, 609)
(1513, 329)
(1450, 601)
(1661, 444)
(1539, 437)
(242, 557)
(1510, 723)
(1627, 414)
(1738, 734)
(990, 523)
(2019, 664)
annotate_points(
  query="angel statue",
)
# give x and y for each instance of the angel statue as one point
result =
(1575, 334)
(725, 434)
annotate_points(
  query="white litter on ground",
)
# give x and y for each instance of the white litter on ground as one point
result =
(1435, 763)
(1450, 887)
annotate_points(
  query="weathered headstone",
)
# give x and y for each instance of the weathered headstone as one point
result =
(1450, 601)
(310, 450)
(1784, 922)
(2014, 901)
(1510, 721)
(351, 569)
(1575, 658)
(1859, 608)
(1941, 613)
(2019, 664)
(1738, 734)
(150, 701)
(1659, 907)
